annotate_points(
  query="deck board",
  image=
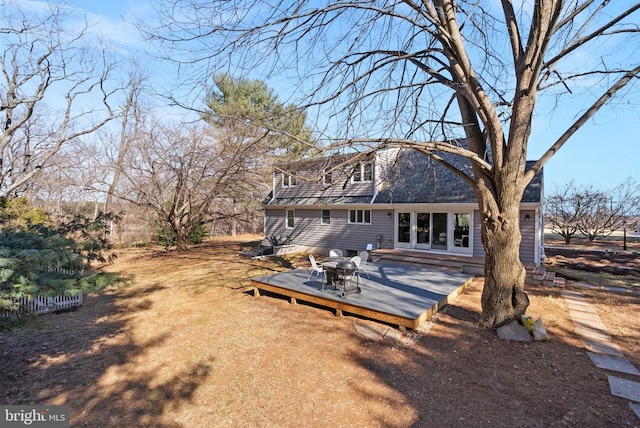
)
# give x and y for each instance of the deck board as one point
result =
(393, 293)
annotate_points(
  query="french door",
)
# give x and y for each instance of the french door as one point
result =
(438, 231)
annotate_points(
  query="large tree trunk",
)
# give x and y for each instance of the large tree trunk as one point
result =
(182, 239)
(182, 233)
(503, 296)
(499, 194)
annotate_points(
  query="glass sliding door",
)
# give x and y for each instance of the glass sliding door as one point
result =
(438, 231)
(404, 230)
(461, 229)
(423, 229)
(439, 235)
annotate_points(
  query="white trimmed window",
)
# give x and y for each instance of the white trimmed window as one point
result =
(360, 216)
(363, 172)
(289, 180)
(326, 177)
(326, 217)
(291, 219)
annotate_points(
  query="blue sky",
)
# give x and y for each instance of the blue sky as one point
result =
(604, 153)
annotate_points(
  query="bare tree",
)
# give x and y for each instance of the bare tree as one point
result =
(50, 85)
(132, 120)
(422, 75)
(562, 211)
(64, 189)
(604, 212)
(180, 172)
(594, 213)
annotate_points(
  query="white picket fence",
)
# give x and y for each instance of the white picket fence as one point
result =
(41, 304)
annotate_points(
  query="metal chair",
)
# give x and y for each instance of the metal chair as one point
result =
(316, 269)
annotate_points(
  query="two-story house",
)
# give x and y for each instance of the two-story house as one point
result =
(391, 199)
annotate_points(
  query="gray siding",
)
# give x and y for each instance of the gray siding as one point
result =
(274, 223)
(478, 248)
(527, 230)
(309, 231)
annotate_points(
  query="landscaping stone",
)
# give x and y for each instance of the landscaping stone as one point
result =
(594, 323)
(583, 285)
(582, 307)
(617, 364)
(616, 289)
(594, 334)
(636, 408)
(393, 335)
(370, 331)
(573, 295)
(607, 348)
(624, 388)
(514, 331)
(584, 316)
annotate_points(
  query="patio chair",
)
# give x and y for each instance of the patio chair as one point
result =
(335, 253)
(362, 267)
(316, 269)
(360, 262)
(357, 260)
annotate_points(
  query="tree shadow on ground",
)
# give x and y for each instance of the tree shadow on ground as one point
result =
(486, 381)
(86, 359)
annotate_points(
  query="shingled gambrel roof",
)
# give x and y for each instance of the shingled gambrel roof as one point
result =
(313, 168)
(327, 200)
(415, 178)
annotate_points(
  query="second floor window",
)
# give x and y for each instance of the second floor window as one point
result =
(289, 180)
(326, 177)
(363, 172)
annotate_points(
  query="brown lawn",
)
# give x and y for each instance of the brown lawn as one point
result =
(184, 346)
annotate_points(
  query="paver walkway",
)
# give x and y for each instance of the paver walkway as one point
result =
(604, 353)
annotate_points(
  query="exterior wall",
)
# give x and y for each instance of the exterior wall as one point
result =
(478, 249)
(274, 223)
(310, 196)
(309, 232)
(385, 160)
(527, 230)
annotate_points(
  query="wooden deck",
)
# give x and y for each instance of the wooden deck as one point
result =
(396, 294)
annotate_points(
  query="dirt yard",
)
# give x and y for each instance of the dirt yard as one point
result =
(184, 346)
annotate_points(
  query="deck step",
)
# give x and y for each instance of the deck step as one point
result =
(549, 278)
(452, 261)
(422, 261)
(536, 275)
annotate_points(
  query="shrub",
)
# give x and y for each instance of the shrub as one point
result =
(49, 260)
(167, 237)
